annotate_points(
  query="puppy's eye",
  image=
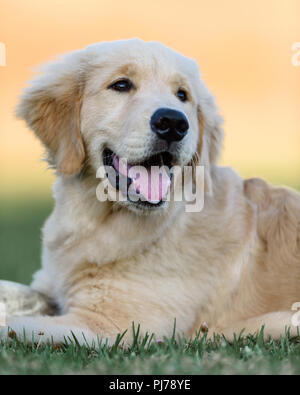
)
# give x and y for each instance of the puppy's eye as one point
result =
(121, 85)
(182, 95)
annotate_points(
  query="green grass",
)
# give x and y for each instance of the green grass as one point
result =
(20, 225)
(249, 355)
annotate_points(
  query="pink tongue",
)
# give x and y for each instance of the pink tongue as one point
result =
(152, 183)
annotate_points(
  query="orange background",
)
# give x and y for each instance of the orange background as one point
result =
(243, 48)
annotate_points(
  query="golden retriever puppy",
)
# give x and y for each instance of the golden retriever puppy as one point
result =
(233, 264)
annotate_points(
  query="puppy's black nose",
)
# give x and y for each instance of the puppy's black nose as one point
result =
(170, 125)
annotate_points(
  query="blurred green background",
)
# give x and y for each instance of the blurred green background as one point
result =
(20, 240)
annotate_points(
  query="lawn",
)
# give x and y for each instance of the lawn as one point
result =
(196, 356)
(20, 256)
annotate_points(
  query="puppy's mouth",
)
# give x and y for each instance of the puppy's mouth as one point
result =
(144, 183)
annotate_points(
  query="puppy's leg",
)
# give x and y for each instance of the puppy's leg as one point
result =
(275, 325)
(45, 329)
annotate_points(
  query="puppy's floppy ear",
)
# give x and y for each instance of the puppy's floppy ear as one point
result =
(51, 108)
(210, 132)
(210, 127)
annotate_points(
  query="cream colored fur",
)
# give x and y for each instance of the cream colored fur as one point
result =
(235, 265)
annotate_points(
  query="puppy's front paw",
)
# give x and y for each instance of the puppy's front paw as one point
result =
(20, 300)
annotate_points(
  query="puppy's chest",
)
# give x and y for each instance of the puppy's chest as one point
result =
(166, 288)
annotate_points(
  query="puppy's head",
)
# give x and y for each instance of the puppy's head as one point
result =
(125, 104)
